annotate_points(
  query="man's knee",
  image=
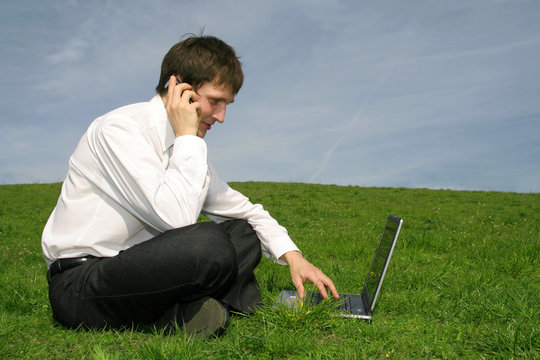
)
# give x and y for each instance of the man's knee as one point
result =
(245, 240)
(214, 247)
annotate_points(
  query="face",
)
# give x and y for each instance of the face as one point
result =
(213, 100)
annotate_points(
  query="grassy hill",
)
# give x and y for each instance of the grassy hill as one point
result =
(464, 281)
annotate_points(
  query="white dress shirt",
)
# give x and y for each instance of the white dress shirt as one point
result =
(131, 179)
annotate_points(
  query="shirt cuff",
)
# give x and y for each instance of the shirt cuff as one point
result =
(280, 248)
(189, 151)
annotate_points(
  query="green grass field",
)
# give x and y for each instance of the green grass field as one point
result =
(464, 281)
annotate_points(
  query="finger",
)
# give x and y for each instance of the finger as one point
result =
(194, 97)
(301, 291)
(299, 285)
(175, 92)
(330, 285)
(170, 87)
(189, 96)
(322, 288)
(178, 89)
(323, 283)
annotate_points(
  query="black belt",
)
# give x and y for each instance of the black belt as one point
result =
(61, 265)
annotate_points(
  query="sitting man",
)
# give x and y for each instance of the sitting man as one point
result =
(123, 245)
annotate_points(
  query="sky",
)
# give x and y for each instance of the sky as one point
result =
(390, 93)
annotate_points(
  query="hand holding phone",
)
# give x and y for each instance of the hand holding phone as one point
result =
(178, 82)
(182, 110)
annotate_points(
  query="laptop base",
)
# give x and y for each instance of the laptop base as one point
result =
(357, 307)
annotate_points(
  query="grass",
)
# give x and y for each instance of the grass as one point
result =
(464, 281)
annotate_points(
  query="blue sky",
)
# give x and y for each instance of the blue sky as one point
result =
(417, 93)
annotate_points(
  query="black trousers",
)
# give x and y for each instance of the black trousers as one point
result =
(139, 284)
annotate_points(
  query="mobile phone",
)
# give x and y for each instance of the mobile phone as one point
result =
(178, 82)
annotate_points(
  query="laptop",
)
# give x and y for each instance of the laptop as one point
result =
(361, 305)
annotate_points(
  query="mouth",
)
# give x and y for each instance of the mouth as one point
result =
(206, 126)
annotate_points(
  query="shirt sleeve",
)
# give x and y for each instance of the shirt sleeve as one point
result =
(223, 203)
(124, 163)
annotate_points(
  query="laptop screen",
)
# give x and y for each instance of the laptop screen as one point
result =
(381, 260)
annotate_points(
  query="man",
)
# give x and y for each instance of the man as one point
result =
(123, 244)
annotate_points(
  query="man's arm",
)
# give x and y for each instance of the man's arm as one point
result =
(223, 202)
(302, 270)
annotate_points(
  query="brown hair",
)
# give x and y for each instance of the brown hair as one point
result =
(202, 59)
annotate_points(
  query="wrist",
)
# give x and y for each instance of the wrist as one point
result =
(183, 132)
(291, 256)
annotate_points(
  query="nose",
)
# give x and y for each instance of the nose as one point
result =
(219, 114)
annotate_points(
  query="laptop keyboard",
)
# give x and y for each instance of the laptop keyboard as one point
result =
(345, 304)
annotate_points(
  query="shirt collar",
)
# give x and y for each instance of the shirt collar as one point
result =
(163, 125)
